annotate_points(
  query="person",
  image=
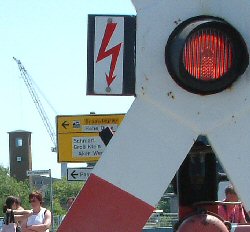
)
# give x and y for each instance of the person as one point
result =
(70, 201)
(9, 206)
(40, 218)
(20, 209)
(233, 213)
(14, 212)
(19, 204)
(11, 220)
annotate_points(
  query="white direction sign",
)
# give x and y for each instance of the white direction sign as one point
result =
(78, 174)
(87, 146)
(37, 172)
(99, 128)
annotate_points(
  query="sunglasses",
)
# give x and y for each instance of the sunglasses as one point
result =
(32, 200)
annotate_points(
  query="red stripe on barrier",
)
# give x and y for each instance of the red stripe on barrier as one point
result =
(103, 207)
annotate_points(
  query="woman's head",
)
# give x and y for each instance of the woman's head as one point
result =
(70, 201)
(18, 202)
(10, 203)
(35, 198)
(230, 193)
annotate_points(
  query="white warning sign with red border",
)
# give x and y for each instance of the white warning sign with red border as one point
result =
(111, 55)
(109, 44)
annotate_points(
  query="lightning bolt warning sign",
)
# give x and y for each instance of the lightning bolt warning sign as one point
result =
(109, 54)
(113, 52)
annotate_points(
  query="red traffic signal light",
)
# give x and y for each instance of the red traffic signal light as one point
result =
(205, 55)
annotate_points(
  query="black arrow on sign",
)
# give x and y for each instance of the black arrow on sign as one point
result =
(65, 124)
(73, 174)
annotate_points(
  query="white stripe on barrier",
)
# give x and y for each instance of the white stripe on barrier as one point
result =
(231, 144)
(146, 151)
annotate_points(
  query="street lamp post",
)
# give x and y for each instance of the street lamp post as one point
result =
(51, 201)
(31, 173)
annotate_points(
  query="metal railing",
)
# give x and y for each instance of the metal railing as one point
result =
(57, 219)
(156, 220)
(160, 219)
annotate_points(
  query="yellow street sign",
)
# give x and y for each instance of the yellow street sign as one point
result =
(78, 136)
(88, 123)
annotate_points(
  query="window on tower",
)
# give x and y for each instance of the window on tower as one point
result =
(19, 142)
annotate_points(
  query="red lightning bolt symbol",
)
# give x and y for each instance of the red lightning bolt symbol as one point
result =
(114, 52)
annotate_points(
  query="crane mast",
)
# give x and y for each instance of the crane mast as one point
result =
(29, 84)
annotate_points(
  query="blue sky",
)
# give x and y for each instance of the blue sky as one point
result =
(50, 39)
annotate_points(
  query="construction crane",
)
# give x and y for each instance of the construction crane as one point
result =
(29, 84)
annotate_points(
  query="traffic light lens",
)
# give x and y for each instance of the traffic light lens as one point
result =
(207, 54)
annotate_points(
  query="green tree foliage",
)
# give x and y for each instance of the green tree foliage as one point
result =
(58, 209)
(164, 202)
(10, 186)
(62, 189)
(164, 205)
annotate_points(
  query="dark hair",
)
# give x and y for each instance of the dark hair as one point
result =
(18, 201)
(230, 190)
(37, 195)
(10, 200)
(70, 199)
